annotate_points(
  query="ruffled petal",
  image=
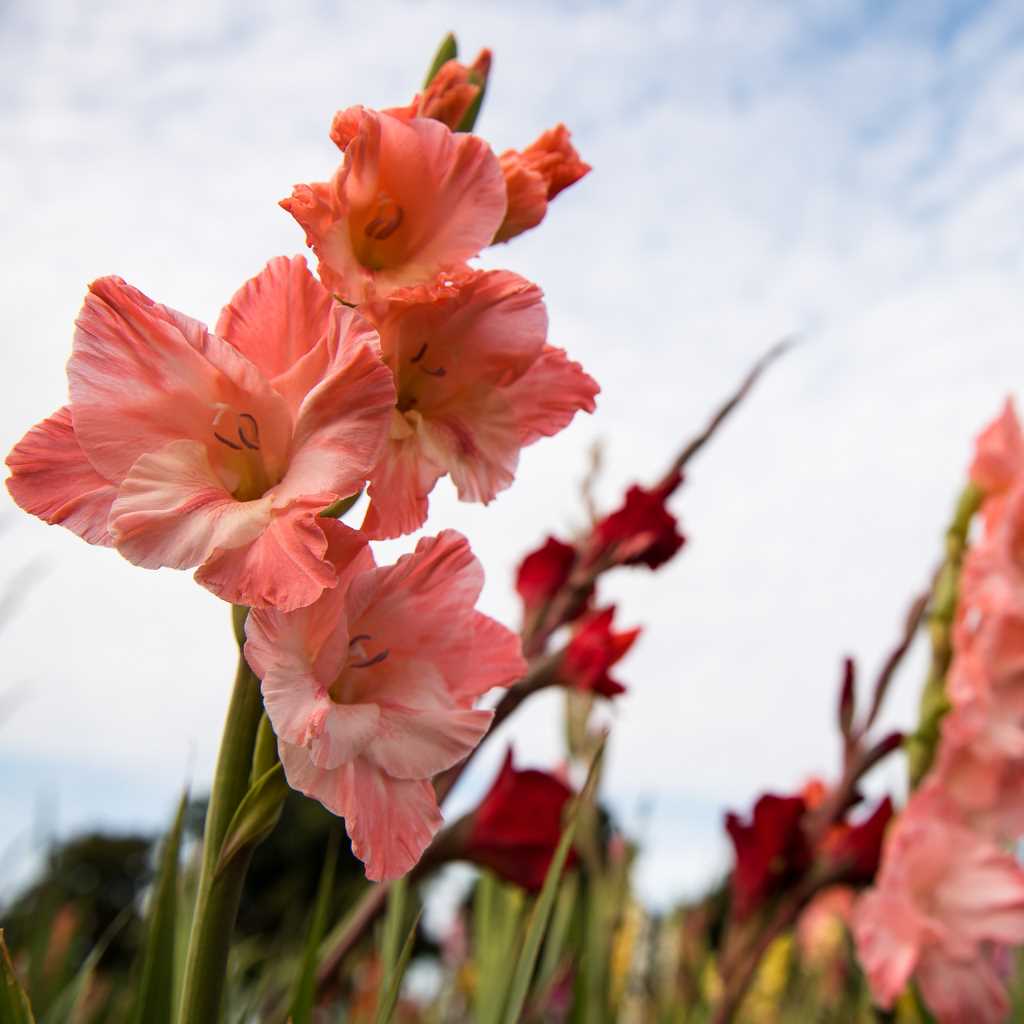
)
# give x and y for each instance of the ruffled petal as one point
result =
(172, 510)
(390, 821)
(142, 375)
(52, 478)
(415, 744)
(343, 421)
(278, 316)
(549, 394)
(399, 486)
(284, 567)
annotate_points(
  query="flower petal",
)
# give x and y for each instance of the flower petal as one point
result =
(401, 481)
(549, 394)
(390, 821)
(277, 316)
(343, 421)
(415, 744)
(142, 375)
(284, 567)
(173, 510)
(52, 478)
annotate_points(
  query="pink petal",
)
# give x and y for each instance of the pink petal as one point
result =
(415, 744)
(888, 932)
(284, 567)
(962, 992)
(345, 732)
(419, 604)
(495, 658)
(52, 478)
(142, 375)
(549, 394)
(277, 316)
(391, 821)
(173, 510)
(343, 421)
(401, 481)
(301, 641)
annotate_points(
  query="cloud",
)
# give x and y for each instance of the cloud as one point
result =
(833, 168)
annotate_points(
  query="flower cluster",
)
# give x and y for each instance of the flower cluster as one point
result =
(229, 451)
(950, 896)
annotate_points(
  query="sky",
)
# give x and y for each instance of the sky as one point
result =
(850, 172)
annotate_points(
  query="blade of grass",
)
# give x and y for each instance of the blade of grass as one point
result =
(14, 1004)
(541, 914)
(386, 1007)
(154, 1002)
(69, 1007)
(305, 984)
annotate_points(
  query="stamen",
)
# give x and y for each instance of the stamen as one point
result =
(224, 440)
(439, 372)
(419, 355)
(356, 639)
(253, 444)
(386, 223)
(375, 660)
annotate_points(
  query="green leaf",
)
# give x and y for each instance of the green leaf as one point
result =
(257, 814)
(393, 985)
(448, 50)
(155, 999)
(305, 983)
(14, 1004)
(541, 914)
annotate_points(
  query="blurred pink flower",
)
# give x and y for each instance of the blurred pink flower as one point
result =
(998, 460)
(945, 900)
(183, 449)
(476, 382)
(370, 690)
(410, 198)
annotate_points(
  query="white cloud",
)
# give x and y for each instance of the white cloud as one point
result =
(758, 168)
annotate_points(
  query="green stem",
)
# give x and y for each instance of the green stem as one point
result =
(218, 894)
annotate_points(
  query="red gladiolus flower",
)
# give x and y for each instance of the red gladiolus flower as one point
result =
(857, 849)
(544, 572)
(517, 826)
(593, 650)
(770, 851)
(643, 531)
(535, 176)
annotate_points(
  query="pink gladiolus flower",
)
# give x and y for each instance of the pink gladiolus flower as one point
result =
(535, 176)
(476, 382)
(448, 97)
(946, 898)
(370, 690)
(998, 459)
(183, 449)
(409, 199)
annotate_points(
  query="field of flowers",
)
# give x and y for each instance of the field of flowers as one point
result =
(271, 453)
